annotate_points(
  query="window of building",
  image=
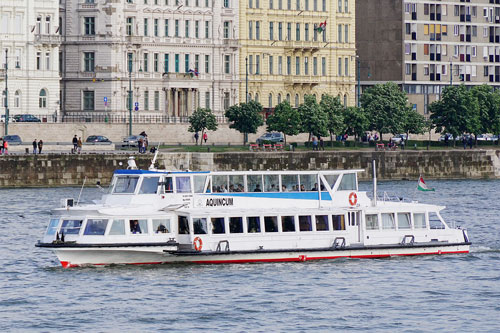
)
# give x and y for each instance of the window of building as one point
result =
(207, 63)
(346, 33)
(88, 100)
(306, 32)
(306, 65)
(297, 65)
(166, 62)
(339, 67)
(176, 28)
(297, 31)
(17, 99)
(42, 99)
(280, 30)
(340, 33)
(130, 26)
(226, 29)
(146, 25)
(197, 29)
(89, 61)
(271, 65)
(156, 33)
(257, 30)
(280, 65)
(297, 102)
(250, 29)
(177, 63)
(323, 66)
(146, 62)
(89, 25)
(166, 28)
(271, 30)
(157, 100)
(146, 100)
(155, 62)
(288, 31)
(257, 64)
(346, 66)
(207, 100)
(226, 100)
(315, 66)
(207, 29)
(227, 64)
(186, 63)
(186, 29)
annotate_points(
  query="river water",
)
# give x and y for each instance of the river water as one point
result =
(452, 293)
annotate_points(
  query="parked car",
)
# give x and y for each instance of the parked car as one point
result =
(11, 119)
(272, 137)
(485, 137)
(26, 118)
(442, 137)
(13, 139)
(98, 138)
(132, 140)
(398, 137)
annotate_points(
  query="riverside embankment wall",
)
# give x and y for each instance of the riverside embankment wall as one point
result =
(71, 170)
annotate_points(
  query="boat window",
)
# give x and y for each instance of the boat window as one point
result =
(236, 183)
(308, 183)
(183, 184)
(70, 227)
(388, 221)
(168, 185)
(161, 226)
(348, 182)
(271, 183)
(52, 228)
(435, 221)
(321, 222)
(419, 221)
(218, 226)
(371, 221)
(200, 226)
(305, 223)
(95, 227)
(149, 185)
(288, 223)
(183, 225)
(138, 226)
(219, 183)
(338, 222)
(199, 183)
(117, 228)
(271, 223)
(331, 180)
(125, 184)
(254, 183)
(289, 183)
(235, 225)
(403, 220)
(253, 223)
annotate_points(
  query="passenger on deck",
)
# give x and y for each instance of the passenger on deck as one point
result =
(257, 188)
(283, 188)
(315, 188)
(273, 188)
(223, 188)
(240, 188)
(134, 227)
(302, 188)
(231, 188)
(161, 229)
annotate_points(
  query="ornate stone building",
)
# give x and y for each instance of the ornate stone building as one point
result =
(29, 34)
(175, 55)
(290, 52)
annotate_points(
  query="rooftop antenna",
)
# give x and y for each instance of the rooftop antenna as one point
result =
(153, 161)
(81, 190)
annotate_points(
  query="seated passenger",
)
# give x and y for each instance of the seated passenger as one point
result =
(223, 188)
(240, 188)
(231, 188)
(135, 227)
(302, 188)
(273, 188)
(257, 188)
(161, 229)
(315, 188)
(283, 188)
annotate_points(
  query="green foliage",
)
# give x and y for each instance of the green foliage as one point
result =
(457, 112)
(201, 120)
(356, 121)
(245, 117)
(385, 105)
(285, 119)
(314, 119)
(334, 110)
(413, 122)
(489, 108)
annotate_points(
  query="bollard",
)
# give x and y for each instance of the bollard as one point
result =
(208, 149)
(27, 150)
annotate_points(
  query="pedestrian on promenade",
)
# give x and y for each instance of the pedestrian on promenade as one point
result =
(40, 146)
(75, 144)
(196, 137)
(139, 144)
(470, 142)
(464, 141)
(205, 137)
(321, 144)
(315, 142)
(79, 145)
(1, 146)
(5, 147)
(34, 146)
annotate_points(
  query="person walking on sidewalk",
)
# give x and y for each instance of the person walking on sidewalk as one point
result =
(35, 145)
(40, 146)
(79, 145)
(205, 137)
(75, 144)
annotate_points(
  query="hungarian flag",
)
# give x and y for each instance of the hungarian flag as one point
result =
(422, 186)
(193, 72)
(321, 27)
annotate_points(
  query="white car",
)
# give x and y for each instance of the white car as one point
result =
(398, 137)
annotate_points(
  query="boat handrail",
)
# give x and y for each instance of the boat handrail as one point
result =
(389, 197)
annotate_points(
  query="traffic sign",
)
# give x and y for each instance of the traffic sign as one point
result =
(105, 99)
(136, 104)
(136, 108)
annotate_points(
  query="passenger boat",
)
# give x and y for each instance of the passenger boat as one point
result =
(159, 216)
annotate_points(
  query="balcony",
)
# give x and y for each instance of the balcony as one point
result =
(87, 6)
(302, 46)
(302, 80)
(229, 42)
(48, 39)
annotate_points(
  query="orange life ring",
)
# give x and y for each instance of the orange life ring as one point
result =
(353, 199)
(198, 244)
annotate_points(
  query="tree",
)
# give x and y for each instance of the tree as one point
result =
(334, 110)
(384, 105)
(356, 122)
(457, 112)
(245, 117)
(489, 108)
(285, 119)
(413, 122)
(201, 120)
(314, 119)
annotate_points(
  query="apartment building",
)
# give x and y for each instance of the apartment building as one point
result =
(29, 47)
(427, 45)
(290, 49)
(159, 57)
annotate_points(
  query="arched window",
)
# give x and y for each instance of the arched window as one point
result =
(270, 100)
(257, 97)
(17, 99)
(42, 99)
(288, 98)
(249, 96)
(315, 97)
(279, 98)
(345, 100)
(296, 100)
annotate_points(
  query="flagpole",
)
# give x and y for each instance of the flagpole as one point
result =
(416, 188)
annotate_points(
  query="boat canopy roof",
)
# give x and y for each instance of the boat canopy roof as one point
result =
(269, 172)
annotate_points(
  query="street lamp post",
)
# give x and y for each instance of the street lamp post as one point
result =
(359, 80)
(451, 73)
(6, 94)
(246, 79)
(130, 97)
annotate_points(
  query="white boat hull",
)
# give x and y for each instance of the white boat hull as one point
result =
(74, 257)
